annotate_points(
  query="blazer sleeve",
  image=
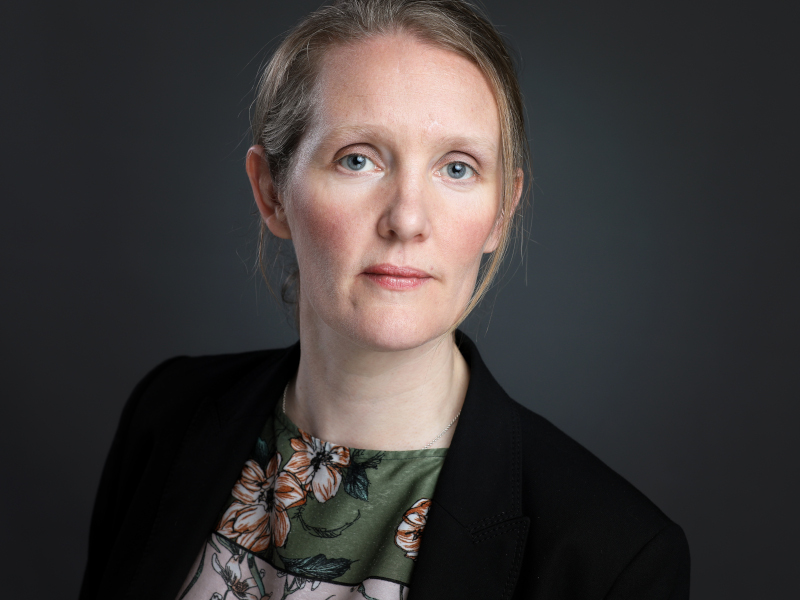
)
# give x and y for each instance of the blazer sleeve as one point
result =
(659, 571)
(109, 503)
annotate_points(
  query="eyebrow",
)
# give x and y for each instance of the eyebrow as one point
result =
(483, 144)
(354, 130)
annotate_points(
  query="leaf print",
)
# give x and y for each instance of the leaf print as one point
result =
(410, 529)
(318, 465)
(225, 543)
(262, 453)
(257, 518)
(322, 532)
(251, 562)
(356, 482)
(231, 574)
(318, 567)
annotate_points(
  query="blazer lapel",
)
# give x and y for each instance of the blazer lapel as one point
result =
(475, 533)
(216, 445)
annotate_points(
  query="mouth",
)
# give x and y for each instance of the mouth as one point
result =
(393, 277)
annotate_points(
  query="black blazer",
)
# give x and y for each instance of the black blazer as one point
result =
(520, 509)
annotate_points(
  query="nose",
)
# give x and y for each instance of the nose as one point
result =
(405, 216)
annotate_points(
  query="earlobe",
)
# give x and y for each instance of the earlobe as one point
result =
(265, 193)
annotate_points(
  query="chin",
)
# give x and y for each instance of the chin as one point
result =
(386, 330)
(397, 332)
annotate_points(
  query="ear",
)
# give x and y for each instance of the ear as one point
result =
(265, 194)
(494, 238)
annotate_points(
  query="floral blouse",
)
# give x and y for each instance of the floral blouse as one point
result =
(313, 520)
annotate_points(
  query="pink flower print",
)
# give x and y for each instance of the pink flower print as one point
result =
(231, 574)
(318, 465)
(257, 517)
(409, 532)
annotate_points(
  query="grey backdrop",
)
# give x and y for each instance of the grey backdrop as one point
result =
(654, 317)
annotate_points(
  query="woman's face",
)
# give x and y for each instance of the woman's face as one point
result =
(394, 193)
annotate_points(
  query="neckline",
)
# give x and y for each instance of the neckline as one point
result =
(295, 431)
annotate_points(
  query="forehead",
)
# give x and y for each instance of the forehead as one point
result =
(408, 87)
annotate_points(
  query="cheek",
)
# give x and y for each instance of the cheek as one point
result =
(323, 233)
(467, 235)
(466, 240)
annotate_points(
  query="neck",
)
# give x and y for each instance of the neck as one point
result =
(362, 398)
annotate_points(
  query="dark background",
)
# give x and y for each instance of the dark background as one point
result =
(654, 317)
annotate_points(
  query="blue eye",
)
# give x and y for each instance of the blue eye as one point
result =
(356, 162)
(459, 170)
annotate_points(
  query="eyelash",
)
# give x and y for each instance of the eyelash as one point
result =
(459, 162)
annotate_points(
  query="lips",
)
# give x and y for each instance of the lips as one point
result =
(393, 277)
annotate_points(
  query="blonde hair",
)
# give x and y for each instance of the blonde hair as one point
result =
(285, 101)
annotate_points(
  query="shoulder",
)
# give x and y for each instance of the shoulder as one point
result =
(588, 519)
(566, 488)
(564, 474)
(179, 395)
(580, 529)
(174, 389)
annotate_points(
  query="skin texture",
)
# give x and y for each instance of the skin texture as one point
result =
(375, 182)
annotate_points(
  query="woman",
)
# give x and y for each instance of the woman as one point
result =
(389, 148)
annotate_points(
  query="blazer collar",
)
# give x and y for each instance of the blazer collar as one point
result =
(475, 534)
(475, 531)
(486, 444)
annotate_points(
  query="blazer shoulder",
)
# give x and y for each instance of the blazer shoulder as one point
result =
(585, 497)
(573, 476)
(564, 487)
(174, 389)
(586, 518)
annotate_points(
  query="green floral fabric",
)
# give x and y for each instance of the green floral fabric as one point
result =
(311, 519)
